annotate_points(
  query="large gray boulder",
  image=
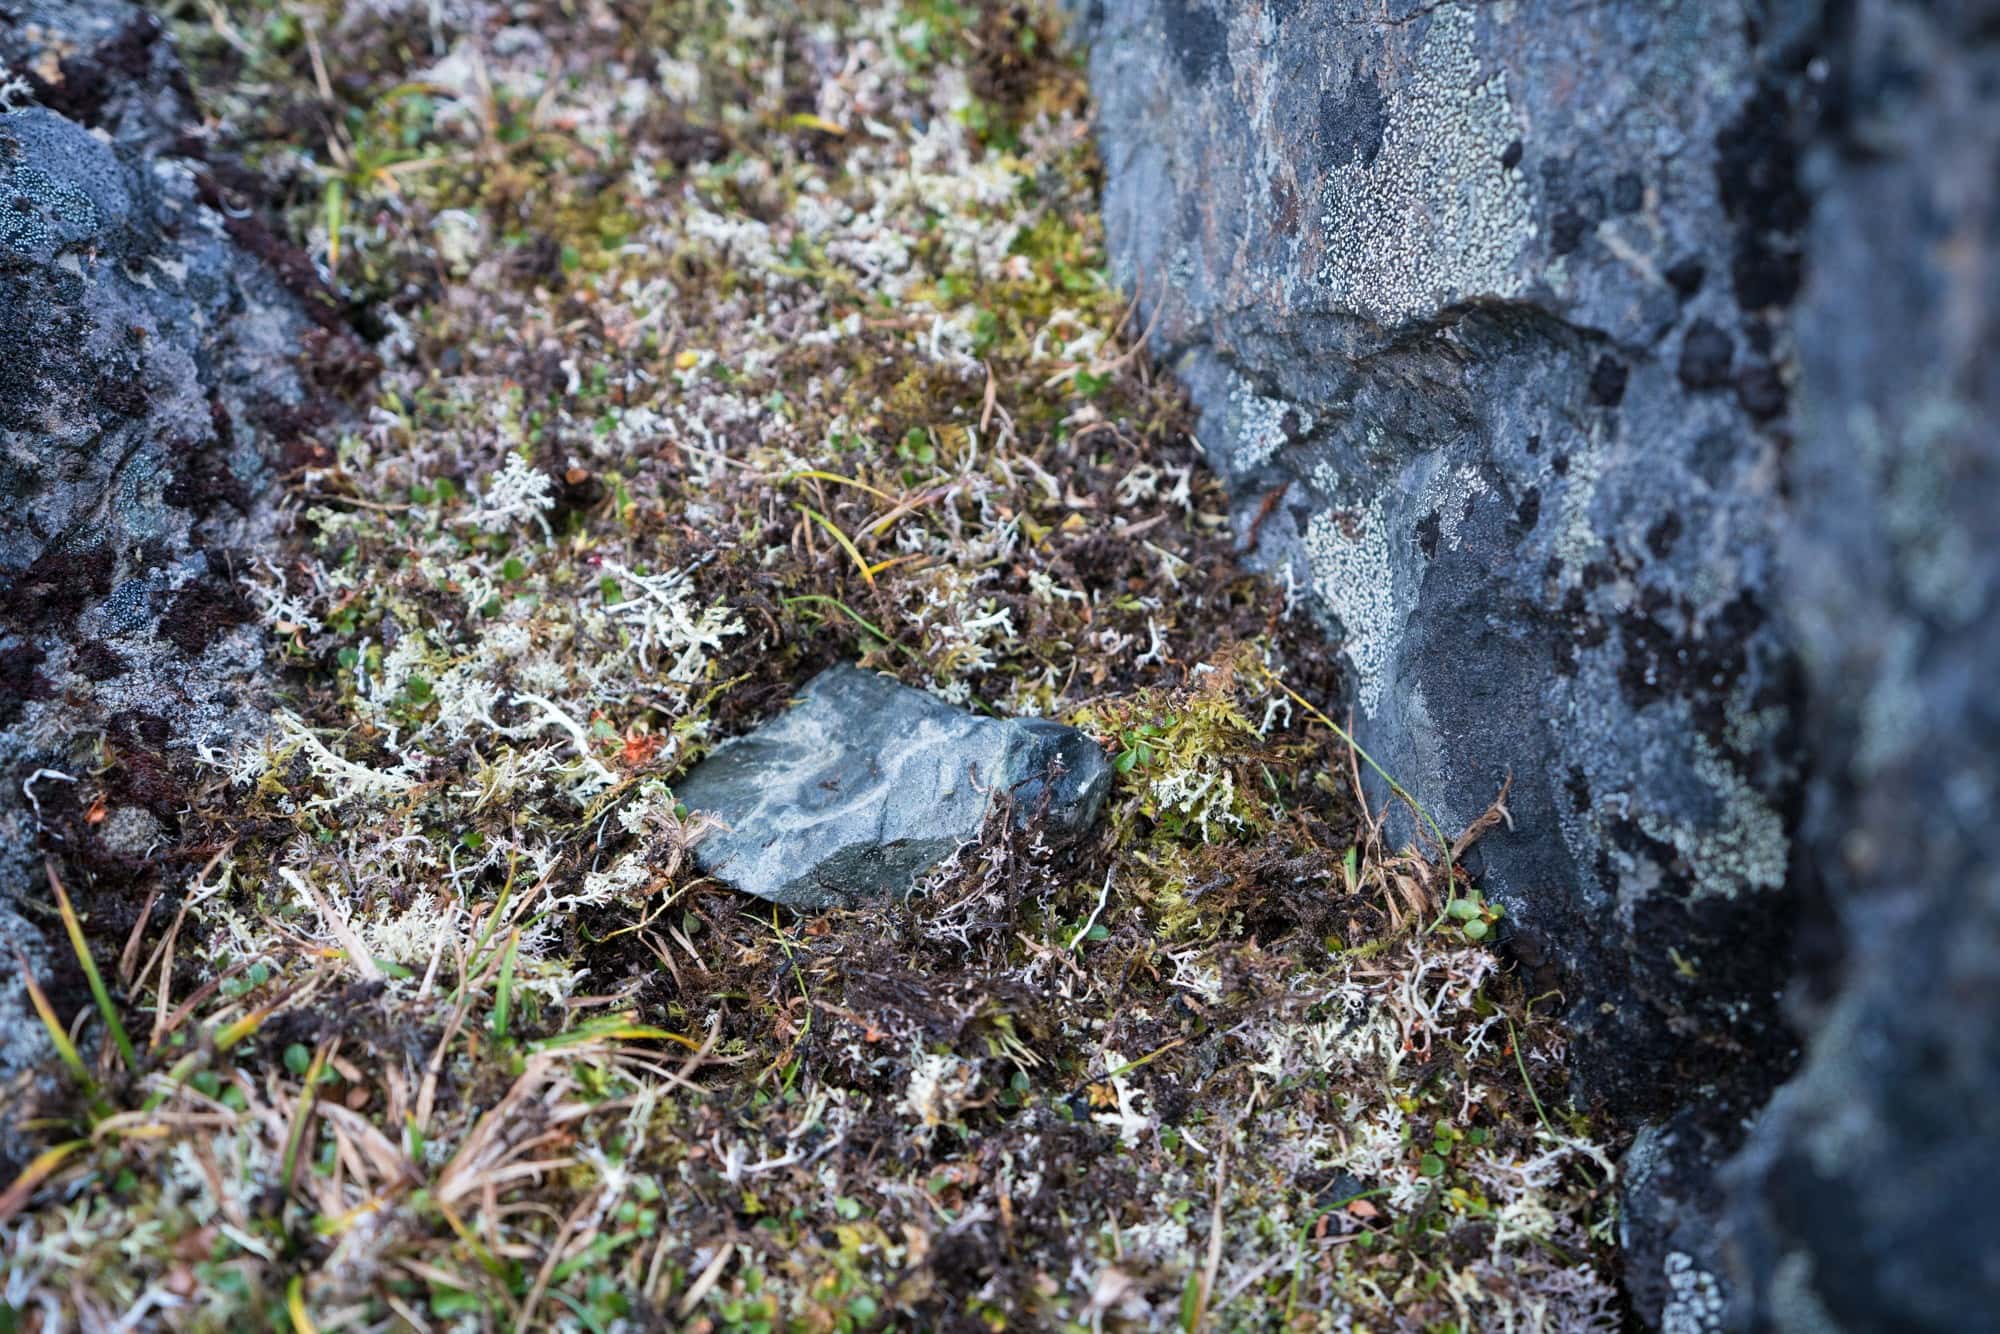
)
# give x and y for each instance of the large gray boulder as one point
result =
(1481, 306)
(1615, 383)
(147, 375)
(1865, 1200)
(865, 785)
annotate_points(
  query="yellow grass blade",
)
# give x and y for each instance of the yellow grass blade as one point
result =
(242, 1028)
(846, 543)
(806, 120)
(614, 1026)
(58, 1036)
(90, 973)
(33, 1175)
(894, 561)
(295, 1306)
(822, 475)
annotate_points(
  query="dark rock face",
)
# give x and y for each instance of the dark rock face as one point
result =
(141, 350)
(1466, 295)
(865, 785)
(1616, 385)
(1865, 1197)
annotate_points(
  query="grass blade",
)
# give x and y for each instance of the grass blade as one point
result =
(245, 1027)
(295, 1306)
(503, 1001)
(302, 1116)
(90, 973)
(857, 618)
(846, 543)
(58, 1035)
(824, 476)
(622, 1027)
(33, 1175)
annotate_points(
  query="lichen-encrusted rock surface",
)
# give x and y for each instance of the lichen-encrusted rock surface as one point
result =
(865, 785)
(1615, 383)
(1867, 1192)
(1478, 303)
(146, 361)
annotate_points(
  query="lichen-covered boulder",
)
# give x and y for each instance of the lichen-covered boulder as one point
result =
(865, 785)
(1482, 309)
(1865, 1200)
(1616, 385)
(148, 370)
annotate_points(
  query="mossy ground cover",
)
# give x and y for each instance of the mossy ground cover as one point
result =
(718, 344)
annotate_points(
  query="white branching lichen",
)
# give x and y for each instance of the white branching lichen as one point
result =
(517, 491)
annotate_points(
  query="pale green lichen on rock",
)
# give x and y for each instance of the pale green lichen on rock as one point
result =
(1348, 555)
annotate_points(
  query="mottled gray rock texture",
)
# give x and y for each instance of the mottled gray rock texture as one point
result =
(1866, 1199)
(865, 785)
(1616, 384)
(1480, 306)
(147, 372)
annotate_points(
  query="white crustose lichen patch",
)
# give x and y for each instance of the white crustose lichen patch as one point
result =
(1260, 425)
(1348, 552)
(1434, 218)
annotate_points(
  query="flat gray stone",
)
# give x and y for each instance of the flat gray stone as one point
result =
(866, 784)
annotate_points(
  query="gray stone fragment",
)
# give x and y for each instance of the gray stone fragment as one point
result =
(866, 784)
